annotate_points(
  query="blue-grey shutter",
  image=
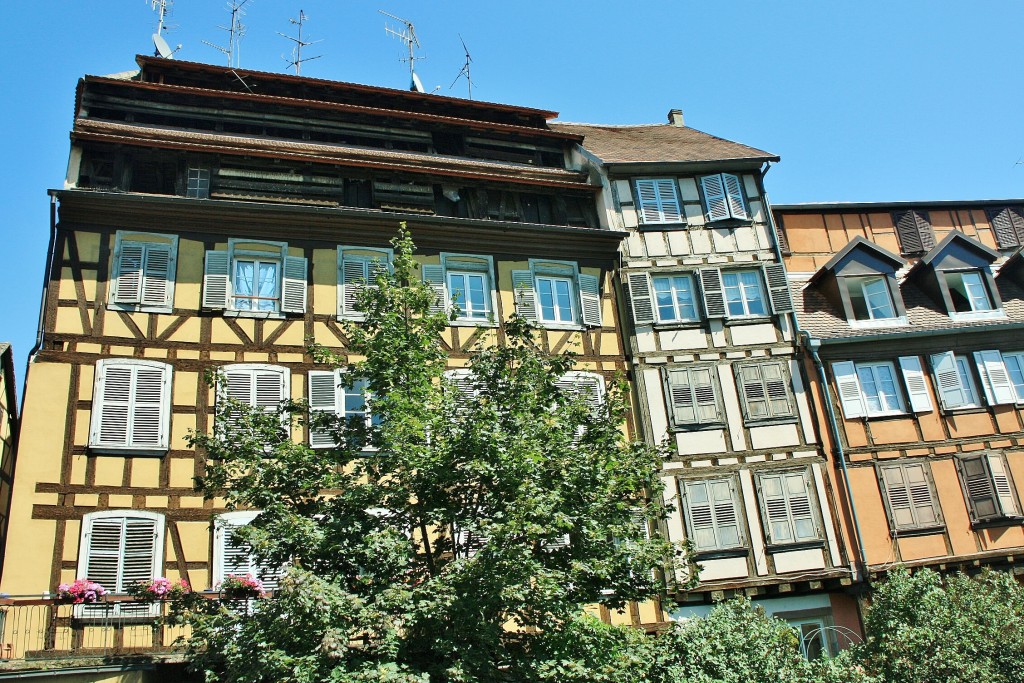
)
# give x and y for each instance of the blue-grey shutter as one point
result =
(216, 283)
(734, 195)
(713, 291)
(590, 299)
(433, 275)
(157, 276)
(778, 288)
(994, 378)
(128, 286)
(952, 392)
(715, 200)
(640, 298)
(293, 286)
(848, 388)
(917, 388)
(524, 293)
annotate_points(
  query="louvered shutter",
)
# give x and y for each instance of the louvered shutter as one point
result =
(139, 562)
(270, 389)
(848, 387)
(324, 396)
(914, 231)
(463, 384)
(952, 392)
(705, 394)
(734, 195)
(1008, 225)
(755, 399)
(354, 276)
(714, 294)
(590, 299)
(981, 494)
(701, 515)
(293, 286)
(1001, 484)
(800, 509)
(909, 493)
(216, 284)
(433, 275)
(917, 388)
(640, 297)
(236, 556)
(658, 201)
(778, 288)
(897, 493)
(112, 405)
(158, 274)
(681, 399)
(150, 406)
(524, 293)
(994, 378)
(714, 197)
(103, 552)
(119, 552)
(259, 387)
(587, 385)
(129, 274)
(727, 519)
(131, 405)
(776, 507)
(776, 381)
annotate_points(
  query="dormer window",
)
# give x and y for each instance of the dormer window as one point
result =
(958, 275)
(870, 298)
(967, 292)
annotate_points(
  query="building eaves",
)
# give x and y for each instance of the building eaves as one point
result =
(877, 207)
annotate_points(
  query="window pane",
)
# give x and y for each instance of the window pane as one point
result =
(752, 293)
(733, 295)
(970, 399)
(976, 291)
(244, 284)
(547, 299)
(876, 295)
(1015, 368)
(268, 287)
(564, 300)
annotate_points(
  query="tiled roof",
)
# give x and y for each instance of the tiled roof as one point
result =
(822, 319)
(657, 143)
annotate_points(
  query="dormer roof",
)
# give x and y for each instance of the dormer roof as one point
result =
(868, 248)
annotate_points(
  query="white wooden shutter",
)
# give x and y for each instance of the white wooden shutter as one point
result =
(994, 378)
(714, 197)
(433, 275)
(981, 494)
(640, 298)
(270, 388)
(129, 274)
(590, 299)
(259, 386)
(778, 288)
(150, 406)
(119, 551)
(216, 281)
(235, 556)
(131, 405)
(713, 291)
(588, 385)
(158, 276)
(111, 410)
(325, 395)
(952, 392)
(658, 201)
(524, 293)
(354, 276)
(1002, 486)
(848, 387)
(139, 561)
(917, 388)
(734, 195)
(293, 286)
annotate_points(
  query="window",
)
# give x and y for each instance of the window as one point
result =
(909, 496)
(723, 197)
(953, 380)
(817, 635)
(144, 267)
(119, 548)
(358, 268)
(870, 298)
(332, 392)
(131, 406)
(675, 298)
(766, 392)
(198, 183)
(967, 291)
(712, 514)
(786, 508)
(988, 487)
(658, 200)
(258, 386)
(871, 388)
(464, 285)
(587, 385)
(255, 277)
(693, 396)
(556, 294)
(744, 295)
(1014, 363)
(234, 557)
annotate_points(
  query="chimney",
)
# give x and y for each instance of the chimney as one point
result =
(675, 117)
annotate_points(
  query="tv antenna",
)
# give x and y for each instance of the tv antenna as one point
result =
(408, 36)
(465, 70)
(235, 33)
(297, 60)
(163, 10)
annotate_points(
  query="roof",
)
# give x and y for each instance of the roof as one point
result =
(956, 235)
(860, 242)
(869, 207)
(662, 142)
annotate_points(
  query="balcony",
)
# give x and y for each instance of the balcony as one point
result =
(41, 633)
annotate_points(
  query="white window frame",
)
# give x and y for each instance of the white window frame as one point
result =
(438, 276)
(1014, 363)
(861, 282)
(369, 259)
(553, 281)
(222, 525)
(984, 280)
(584, 294)
(219, 281)
(658, 201)
(873, 369)
(85, 554)
(677, 316)
(148, 281)
(105, 407)
(258, 262)
(318, 402)
(762, 293)
(723, 197)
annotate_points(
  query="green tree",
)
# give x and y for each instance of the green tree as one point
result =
(441, 554)
(923, 628)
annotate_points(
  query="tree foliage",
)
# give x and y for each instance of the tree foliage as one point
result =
(440, 554)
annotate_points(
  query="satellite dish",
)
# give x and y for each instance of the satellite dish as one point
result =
(162, 48)
(417, 85)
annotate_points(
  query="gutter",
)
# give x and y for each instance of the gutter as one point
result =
(812, 344)
(47, 271)
(940, 332)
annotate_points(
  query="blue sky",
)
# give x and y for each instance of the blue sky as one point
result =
(864, 101)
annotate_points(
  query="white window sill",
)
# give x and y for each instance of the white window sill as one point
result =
(155, 452)
(747, 319)
(266, 315)
(472, 322)
(966, 316)
(888, 413)
(560, 326)
(677, 324)
(138, 308)
(900, 321)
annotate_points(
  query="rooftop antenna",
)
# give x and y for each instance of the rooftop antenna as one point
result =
(297, 60)
(407, 36)
(465, 70)
(235, 33)
(163, 10)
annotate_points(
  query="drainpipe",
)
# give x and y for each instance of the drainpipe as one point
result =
(860, 568)
(47, 270)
